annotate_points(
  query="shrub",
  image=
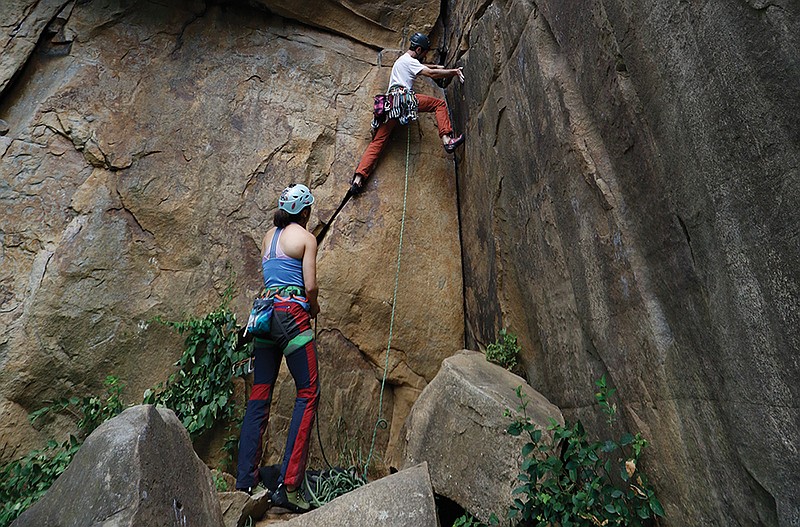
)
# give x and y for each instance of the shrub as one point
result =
(200, 392)
(568, 480)
(505, 351)
(467, 520)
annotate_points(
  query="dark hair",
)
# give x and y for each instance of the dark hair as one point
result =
(282, 219)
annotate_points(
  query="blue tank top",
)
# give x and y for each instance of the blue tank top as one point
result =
(281, 270)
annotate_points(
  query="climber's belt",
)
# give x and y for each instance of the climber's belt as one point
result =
(285, 291)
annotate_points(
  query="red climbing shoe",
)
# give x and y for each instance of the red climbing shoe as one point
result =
(454, 143)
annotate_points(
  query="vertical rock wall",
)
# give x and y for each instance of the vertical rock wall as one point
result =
(148, 143)
(629, 200)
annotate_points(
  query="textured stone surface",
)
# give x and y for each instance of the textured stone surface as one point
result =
(22, 24)
(136, 469)
(239, 508)
(402, 499)
(458, 427)
(384, 24)
(140, 172)
(629, 204)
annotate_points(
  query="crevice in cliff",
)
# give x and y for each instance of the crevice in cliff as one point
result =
(124, 211)
(41, 43)
(459, 216)
(194, 18)
(260, 169)
(686, 234)
(498, 119)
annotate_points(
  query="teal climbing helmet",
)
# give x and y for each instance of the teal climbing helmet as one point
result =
(295, 198)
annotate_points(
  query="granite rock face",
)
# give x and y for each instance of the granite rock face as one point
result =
(140, 172)
(384, 24)
(628, 200)
(629, 204)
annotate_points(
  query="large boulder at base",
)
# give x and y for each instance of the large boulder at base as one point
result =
(400, 500)
(458, 427)
(137, 469)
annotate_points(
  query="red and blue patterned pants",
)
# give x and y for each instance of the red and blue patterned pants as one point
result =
(291, 336)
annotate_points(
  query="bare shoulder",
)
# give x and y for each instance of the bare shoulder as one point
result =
(310, 239)
(299, 232)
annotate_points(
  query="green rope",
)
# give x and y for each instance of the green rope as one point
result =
(330, 484)
(381, 422)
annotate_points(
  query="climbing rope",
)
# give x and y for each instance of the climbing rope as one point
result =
(381, 423)
(329, 484)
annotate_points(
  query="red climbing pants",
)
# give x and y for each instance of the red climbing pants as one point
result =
(376, 146)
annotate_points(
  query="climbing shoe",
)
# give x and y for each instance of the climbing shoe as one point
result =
(292, 500)
(357, 187)
(454, 143)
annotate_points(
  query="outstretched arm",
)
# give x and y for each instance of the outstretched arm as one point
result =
(443, 73)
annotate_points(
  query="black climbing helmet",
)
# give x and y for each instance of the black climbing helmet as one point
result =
(419, 40)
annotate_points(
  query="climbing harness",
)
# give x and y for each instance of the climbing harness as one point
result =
(381, 422)
(398, 103)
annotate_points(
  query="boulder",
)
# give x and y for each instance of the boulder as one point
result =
(458, 427)
(239, 508)
(136, 469)
(399, 500)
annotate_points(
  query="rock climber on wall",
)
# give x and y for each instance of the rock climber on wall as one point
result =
(404, 105)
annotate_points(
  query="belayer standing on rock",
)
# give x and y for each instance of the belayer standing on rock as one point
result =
(289, 265)
(403, 105)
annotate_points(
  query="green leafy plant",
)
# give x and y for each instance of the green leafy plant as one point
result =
(220, 483)
(90, 411)
(569, 480)
(25, 480)
(467, 520)
(200, 393)
(505, 351)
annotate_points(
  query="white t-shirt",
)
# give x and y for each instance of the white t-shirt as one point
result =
(405, 70)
